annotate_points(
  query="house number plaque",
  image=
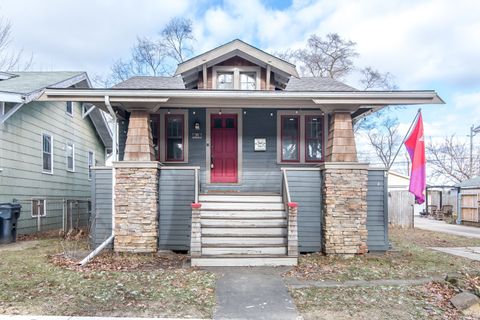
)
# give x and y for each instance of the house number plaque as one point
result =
(260, 144)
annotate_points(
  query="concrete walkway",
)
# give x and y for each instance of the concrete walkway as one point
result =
(6, 317)
(441, 226)
(252, 293)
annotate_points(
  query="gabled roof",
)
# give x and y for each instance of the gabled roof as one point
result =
(146, 82)
(317, 84)
(471, 183)
(233, 48)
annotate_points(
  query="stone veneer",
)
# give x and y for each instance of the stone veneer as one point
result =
(136, 206)
(344, 206)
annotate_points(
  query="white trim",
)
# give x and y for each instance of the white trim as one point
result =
(161, 138)
(301, 114)
(10, 112)
(66, 108)
(51, 152)
(67, 144)
(44, 208)
(236, 75)
(2, 108)
(137, 164)
(90, 168)
(239, 113)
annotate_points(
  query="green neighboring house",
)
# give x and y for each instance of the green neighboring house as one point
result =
(47, 150)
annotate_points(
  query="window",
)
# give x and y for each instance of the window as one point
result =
(290, 138)
(69, 108)
(39, 208)
(2, 108)
(248, 80)
(313, 138)
(90, 163)
(70, 155)
(47, 153)
(300, 137)
(174, 136)
(225, 80)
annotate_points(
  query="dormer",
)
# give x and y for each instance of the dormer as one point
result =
(236, 66)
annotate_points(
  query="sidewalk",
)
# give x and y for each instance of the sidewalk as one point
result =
(5, 317)
(441, 226)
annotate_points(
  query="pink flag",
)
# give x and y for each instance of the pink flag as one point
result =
(416, 149)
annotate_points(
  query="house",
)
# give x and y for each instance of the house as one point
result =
(240, 161)
(47, 150)
(468, 202)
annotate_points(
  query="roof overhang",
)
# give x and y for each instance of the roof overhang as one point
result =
(357, 102)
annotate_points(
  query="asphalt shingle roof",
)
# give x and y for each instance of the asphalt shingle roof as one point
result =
(316, 84)
(474, 182)
(145, 82)
(27, 82)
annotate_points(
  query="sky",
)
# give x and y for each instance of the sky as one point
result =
(431, 44)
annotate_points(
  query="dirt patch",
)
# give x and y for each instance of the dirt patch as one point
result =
(19, 245)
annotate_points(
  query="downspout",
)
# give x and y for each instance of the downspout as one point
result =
(109, 240)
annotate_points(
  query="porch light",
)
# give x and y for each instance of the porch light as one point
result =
(168, 112)
(244, 111)
(296, 111)
(271, 114)
(220, 112)
(196, 125)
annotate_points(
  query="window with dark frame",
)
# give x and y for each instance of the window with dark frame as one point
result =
(155, 127)
(313, 138)
(39, 208)
(70, 150)
(69, 108)
(47, 155)
(90, 162)
(174, 137)
(290, 138)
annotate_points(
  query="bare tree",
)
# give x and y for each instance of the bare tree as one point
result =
(374, 79)
(384, 138)
(330, 57)
(9, 59)
(177, 37)
(450, 160)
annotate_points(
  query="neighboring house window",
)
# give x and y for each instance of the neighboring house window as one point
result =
(69, 108)
(47, 153)
(90, 162)
(313, 138)
(39, 208)
(248, 80)
(290, 138)
(300, 137)
(70, 155)
(174, 137)
(2, 108)
(225, 80)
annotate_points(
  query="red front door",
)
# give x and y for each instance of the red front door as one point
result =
(224, 151)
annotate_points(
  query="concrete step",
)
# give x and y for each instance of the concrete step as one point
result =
(241, 198)
(279, 214)
(244, 261)
(237, 223)
(243, 241)
(244, 250)
(239, 206)
(225, 232)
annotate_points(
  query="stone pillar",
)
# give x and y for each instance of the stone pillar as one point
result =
(139, 144)
(136, 206)
(344, 207)
(341, 141)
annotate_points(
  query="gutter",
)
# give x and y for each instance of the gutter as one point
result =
(110, 239)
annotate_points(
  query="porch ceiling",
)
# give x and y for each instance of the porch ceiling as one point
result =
(356, 102)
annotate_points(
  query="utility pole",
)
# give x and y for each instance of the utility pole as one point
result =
(473, 132)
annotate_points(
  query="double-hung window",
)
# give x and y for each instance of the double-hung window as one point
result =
(70, 156)
(225, 80)
(248, 80)
(69, 108)
(174, 136)
(300, 137)
(236, 78)
(47, 153)
(90, 163)
(39, 208)
(170, 135)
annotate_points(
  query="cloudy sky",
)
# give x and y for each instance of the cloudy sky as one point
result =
(432, 44)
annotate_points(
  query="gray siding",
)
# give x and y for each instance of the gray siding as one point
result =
(377, 212)
(21, 160)
(176, 192)
(305, 189)
(101, 220)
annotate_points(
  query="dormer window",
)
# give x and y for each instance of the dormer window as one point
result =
(236, 78)
(225, 80)
(248, 80)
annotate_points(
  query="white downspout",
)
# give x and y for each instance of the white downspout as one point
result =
(114, 158)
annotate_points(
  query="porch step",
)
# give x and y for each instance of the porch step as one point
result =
(232, 231)
(244, 223)
(237, 206)
(240, 198)
(242, 261)
(206, 250)
(243, 241)
(245, 214)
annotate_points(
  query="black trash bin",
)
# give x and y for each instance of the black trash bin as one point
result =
(9, 213)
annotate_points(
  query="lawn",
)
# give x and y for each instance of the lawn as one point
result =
(409, 259)
(35, 279)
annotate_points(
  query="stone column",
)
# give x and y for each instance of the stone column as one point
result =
(344, 207)
(136, 206)
(139, 144)
(341, 141)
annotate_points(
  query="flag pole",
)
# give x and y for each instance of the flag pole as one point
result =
(403, 141)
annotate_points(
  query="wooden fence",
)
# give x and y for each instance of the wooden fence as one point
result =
(400, 208)
(470, 203)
